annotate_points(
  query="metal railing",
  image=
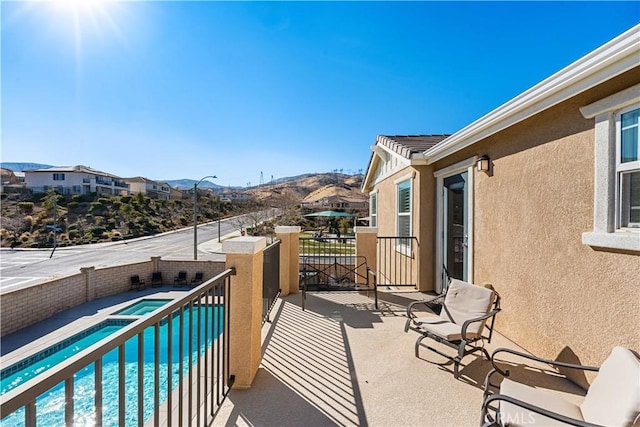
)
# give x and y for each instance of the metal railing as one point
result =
(396, 261)
(191, 354)
(322, 251)
(270, 278)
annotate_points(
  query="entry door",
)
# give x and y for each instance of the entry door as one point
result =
(456, 226)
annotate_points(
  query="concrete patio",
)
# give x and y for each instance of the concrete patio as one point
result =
(343, 362)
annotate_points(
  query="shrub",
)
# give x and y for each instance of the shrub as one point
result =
(25, 207)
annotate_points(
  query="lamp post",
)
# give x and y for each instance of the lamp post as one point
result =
(195, 216)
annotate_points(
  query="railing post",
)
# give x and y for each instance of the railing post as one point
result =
(245, 328)
(289, 237)
(366, 246)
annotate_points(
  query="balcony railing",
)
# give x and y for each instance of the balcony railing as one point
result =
(397, 261)
(184, 381)
(270, 278)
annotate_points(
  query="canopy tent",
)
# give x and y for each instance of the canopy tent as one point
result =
(333, 214)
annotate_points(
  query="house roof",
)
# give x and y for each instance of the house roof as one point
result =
(407, 145)
(78, 168)
(604, 63)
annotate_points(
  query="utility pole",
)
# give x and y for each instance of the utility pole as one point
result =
(55, 220)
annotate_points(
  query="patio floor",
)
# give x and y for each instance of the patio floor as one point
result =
(343, 362)
(340, 362)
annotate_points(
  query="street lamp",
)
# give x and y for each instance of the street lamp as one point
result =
(195, 216)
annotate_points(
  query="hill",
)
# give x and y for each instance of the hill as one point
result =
(188, 183)
(307, 187)
(23, 166)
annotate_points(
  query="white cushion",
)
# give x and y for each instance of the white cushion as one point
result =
(614, 396)
(513, 415)
(465, 301)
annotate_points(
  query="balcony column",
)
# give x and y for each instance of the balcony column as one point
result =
(366, 246)
(289, 237)
(89, 283)
(245, 328)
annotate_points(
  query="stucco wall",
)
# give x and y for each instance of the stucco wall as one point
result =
(561, 298)
(420, 267)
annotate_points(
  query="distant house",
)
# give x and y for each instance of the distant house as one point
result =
(150, 188)
(75, 180)
(335, 201)
(540, 198)
(235, 196)
(8, 177)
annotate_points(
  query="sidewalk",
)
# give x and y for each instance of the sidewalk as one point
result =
(215, 246)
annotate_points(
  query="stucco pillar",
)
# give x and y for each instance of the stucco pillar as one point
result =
(366, 246)
(89, 282)
(289, 237)
(155, 262)
(245, 254)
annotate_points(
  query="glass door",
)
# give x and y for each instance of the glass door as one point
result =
(456, 227)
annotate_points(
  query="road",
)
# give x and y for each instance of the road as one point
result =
(26, 267)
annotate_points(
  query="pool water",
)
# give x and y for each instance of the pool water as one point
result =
(142, 307)
(30, 367)
(50, 405)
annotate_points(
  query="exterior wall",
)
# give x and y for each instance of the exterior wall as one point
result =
(420, 263)
(74, 182)
(41, 179)
(561, 299)
(24, 307)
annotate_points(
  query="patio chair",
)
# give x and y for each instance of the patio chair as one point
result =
(156, 279)
(136, 283)
(197, 279)
(466, 320)
(180, 279)
(613, 399)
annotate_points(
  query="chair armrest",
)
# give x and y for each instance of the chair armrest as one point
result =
(466, 323)
(410, 314)
(537, 359)
(533, 408)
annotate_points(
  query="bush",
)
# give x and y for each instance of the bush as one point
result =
(25, 207)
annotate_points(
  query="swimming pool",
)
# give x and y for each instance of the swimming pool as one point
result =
(50, 405)
(142, 307)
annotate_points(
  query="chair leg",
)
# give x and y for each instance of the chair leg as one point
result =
(417, 346)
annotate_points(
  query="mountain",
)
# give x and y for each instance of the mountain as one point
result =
(299, 188)
(23, 166)
(188, 183)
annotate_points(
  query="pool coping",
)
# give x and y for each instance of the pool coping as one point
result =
(40, 336)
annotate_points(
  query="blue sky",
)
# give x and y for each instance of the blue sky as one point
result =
(171, 90)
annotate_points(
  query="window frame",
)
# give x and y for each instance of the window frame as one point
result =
(625, 168)
(58, 176)
(373, 209)
(607, 113)
(404, 245)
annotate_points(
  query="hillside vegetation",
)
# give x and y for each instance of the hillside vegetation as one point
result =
(28, 219)
(92, 218)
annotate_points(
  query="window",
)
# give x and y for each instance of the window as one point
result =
(373, 210)
(616, 222)
(404, 209)
(58, 177)
(628, 168)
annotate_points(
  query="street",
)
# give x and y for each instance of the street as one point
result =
(26, 267)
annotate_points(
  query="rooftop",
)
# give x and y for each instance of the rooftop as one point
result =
(406, 145)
